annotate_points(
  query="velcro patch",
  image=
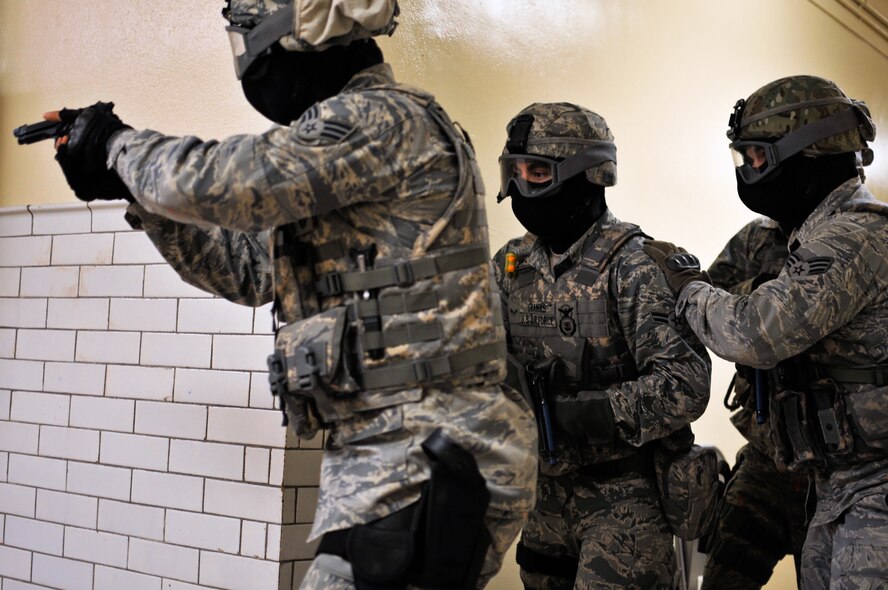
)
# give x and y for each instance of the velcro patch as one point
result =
(798, 267)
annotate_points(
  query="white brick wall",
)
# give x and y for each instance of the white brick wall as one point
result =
(67, 508)
(50, 281)
(139, 447)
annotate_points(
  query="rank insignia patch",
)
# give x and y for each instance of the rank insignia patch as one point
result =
(311, 128)
(798, 267)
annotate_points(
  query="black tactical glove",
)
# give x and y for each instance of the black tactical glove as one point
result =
(586, 418)
(679, 266)
(83, 158)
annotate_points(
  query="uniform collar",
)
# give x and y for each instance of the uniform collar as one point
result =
(843, 193)
(540, 257)
(378, 75)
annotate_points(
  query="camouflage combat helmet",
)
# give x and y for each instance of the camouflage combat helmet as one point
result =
(303, 25)
(561, 130)
(796, 102)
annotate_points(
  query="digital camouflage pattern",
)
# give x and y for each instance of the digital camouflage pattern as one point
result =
(371, 165)
(762, 518)
(829, 302)
(319, 24)
(562, 129)
(614, 526)
(850, 554)
(689, 484)
(617, 334)
(763, 513)
(788, 104)
(331, 572)
(753, 255)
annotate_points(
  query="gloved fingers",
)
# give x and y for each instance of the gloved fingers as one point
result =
(682, 260)
(65, 115)
(661, 246)
(58, 117)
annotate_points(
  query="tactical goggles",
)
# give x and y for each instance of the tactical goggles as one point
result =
(249, 43)
(537, 176)
(756, 159)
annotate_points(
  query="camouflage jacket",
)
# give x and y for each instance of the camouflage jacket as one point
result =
(829, 302)
(759, 248)
(618, 332)
(371, 166)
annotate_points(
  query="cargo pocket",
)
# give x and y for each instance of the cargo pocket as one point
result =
(366, 453)
(869, 414)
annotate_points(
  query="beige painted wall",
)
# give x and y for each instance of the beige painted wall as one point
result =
(664, 74)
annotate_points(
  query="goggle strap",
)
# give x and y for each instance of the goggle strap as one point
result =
(605, 151)
(268, 32)
(810, 134)
(747, 121)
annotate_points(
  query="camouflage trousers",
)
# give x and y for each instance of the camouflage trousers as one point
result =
(850, 552)
(613, 526)
(329, 572)
(762, 518)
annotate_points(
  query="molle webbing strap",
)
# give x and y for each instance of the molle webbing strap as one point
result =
(329, 251)
(397, 303)
(801, 443)
(429, 371)
(404, 334)
(401, 274)
(598, 252)
(876, 375)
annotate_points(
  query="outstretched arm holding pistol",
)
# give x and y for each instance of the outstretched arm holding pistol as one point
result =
(81, 140)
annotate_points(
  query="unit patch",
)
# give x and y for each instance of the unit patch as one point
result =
(567, 323)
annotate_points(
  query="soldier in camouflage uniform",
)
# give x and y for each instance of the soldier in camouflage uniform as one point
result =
(821, 326)
(361, 217)
(591, 313)
(763, 514)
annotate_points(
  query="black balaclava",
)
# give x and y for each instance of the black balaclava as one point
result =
(798, 185)
(562, 217)
(284, 84)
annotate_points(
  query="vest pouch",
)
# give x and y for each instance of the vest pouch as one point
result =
(869, 414)
(316, 357)
(791, 429)
(688, 483)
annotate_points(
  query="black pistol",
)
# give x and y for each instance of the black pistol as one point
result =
(39, 131)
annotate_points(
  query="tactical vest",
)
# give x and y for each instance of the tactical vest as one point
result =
(574, 319)
(824, 414)
(366, 316)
